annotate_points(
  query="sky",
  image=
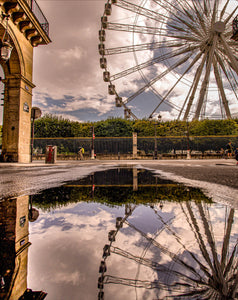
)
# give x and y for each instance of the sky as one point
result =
(69, 80)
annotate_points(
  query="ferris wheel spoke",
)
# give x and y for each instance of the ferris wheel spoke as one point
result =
(224, 9)
(147, 30)
(214, 13)
(232, 44)
(181, 20)
(142, 47)
(229, 54)
(194, 294)
(133, 28)
(176, 83)
(224, 54)
(217, 266)
(227, 239)
(140, 283)
(155, 265)
(230, 263)
(200, 17)
(151, 62)
(207, 8)
(166, 251)
(190, 26)
(231, 15)
(233, 78)
(140, 10)
(221, 89)
(200, 240)
(229, 76)
(160, 76)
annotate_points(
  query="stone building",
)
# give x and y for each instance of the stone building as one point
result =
(23, 26)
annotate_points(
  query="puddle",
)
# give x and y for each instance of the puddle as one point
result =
(118, 234)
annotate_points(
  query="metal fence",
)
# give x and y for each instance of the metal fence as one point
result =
(145, 145)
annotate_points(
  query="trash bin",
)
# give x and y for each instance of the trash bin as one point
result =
(50, 154)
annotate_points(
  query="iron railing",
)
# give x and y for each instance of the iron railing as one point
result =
(39, 15)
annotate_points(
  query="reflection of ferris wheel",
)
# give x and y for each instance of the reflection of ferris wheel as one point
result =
(170, 55)
(200, 263)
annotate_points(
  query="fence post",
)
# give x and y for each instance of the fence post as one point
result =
(134, 137)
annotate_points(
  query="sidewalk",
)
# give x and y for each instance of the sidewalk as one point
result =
(41, 163)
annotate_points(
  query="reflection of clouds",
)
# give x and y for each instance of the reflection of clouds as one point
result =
(62, 259)
(182, 252)
(65, 262)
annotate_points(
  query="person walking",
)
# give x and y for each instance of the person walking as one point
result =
(81, 153)
(229, 148)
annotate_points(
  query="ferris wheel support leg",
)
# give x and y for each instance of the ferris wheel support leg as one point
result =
(221, 89)
(195, 86)
(206, 78)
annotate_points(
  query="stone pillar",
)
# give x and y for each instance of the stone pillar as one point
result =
(17, 119)
(134, 145)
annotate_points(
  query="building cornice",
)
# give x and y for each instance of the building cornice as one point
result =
(23, 17)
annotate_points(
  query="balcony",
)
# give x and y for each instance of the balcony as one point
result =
(235, 29)
(29, 18)
(39, 15)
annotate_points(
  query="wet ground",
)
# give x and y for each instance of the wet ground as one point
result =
(100, 231)
(217, 177)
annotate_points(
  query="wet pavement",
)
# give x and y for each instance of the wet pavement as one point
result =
(99, 231)
(218, 177)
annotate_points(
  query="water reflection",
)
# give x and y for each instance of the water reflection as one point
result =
(14, 242)
(117, 187)
(191, 254)
(125, 234)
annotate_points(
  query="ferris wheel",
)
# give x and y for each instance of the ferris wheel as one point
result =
(170, 56)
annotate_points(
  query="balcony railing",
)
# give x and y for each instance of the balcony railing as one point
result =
(39, 15)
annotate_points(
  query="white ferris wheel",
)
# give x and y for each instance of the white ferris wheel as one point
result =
(171, 56)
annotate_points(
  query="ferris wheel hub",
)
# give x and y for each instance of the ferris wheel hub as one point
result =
(219, 27)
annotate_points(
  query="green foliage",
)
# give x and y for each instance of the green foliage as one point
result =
(52, 126)
(213, 127)
(113, 127)
(56, 126)
(116, 196)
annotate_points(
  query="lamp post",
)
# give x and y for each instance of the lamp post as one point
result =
(92, 148)
(156, 146)
(188, 144)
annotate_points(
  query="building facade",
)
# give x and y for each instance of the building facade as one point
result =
(27, 28)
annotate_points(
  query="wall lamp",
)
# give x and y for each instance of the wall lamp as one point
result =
(5, 46)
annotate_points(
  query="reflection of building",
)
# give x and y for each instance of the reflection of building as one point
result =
(14, 243)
